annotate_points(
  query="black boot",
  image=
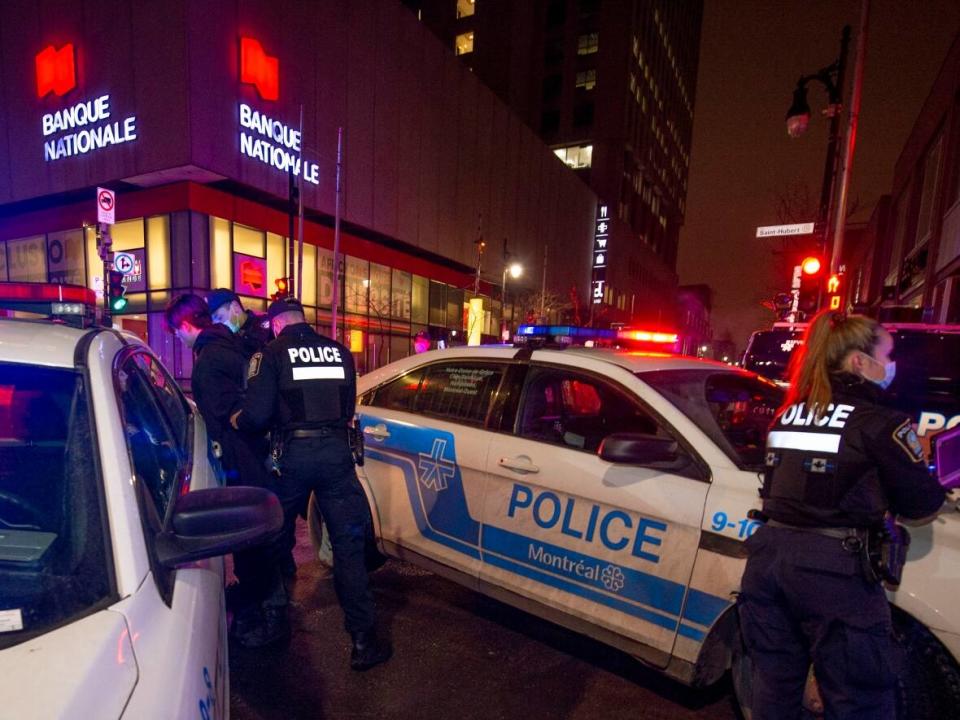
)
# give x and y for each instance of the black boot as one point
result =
(254, 628)
(368, 650)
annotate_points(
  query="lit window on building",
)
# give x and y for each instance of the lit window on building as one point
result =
(464, 43)
(588, 44)
(466, 8)
(587, 79)
(576, 157)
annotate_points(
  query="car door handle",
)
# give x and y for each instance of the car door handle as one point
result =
(518, 464)
(377, 432)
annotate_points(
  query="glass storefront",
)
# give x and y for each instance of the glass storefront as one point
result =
(381, 308)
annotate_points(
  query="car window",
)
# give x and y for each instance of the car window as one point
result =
(735, 409)
(171, 400)
(768, 352)
(578, 410)
(398, 394)
(157, 453)
(54, 543)
(459, 391)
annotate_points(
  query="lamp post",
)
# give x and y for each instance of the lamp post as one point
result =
(798, 120)
(514, 270)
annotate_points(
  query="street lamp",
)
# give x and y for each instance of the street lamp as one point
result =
(798, 120)
(515, 270)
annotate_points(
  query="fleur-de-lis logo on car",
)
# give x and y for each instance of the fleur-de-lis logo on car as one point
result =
(612, 578)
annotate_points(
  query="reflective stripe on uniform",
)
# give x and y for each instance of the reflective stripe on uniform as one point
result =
(817, 442)
(319, 373)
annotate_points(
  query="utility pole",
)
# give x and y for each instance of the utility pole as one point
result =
(299, 291)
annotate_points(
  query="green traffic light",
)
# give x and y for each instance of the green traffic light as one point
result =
(117, 304)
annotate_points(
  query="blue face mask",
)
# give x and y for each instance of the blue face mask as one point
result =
(889, 373)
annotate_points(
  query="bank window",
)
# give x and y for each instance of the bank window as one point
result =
(379, 291)
(400, 295)
(221, 261)
(587, 80)
(420, 300)
(27, 259)
(459, 392)
(356, 285)
(158, 252)
(466, 8)
(438, 303)
(578, 156)
(588, 44)
(464, 43)
(248, 241)
(578, 411)
(400, 393)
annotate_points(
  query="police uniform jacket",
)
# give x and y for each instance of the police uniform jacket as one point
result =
(218, 379)
(254, 334)
(302, 380)
(849, 466)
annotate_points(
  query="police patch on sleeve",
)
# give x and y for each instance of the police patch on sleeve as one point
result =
(906, 437)
(254, 368)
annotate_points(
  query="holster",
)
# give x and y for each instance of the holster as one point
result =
(887, 551)
(355, 438)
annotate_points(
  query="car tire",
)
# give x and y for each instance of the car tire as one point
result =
(320, 540)
(929, 686)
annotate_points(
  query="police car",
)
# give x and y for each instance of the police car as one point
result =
(111, 521)
(610, 491)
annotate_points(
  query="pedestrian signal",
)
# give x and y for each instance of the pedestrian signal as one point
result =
(283, 288)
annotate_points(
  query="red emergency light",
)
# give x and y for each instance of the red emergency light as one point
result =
(56, 71)
(259, 69)
(648, 336)
(46, 292)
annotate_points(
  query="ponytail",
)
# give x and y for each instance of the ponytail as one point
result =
(830, 337)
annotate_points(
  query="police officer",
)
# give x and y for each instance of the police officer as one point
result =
(837, 461)
(254, 333)
(219, 373)
(305, 384)
(252, 329)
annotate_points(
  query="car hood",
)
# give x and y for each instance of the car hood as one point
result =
(83, 670)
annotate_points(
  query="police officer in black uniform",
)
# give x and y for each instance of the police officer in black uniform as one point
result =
(218, 379)
(837, 462)
(304, 385)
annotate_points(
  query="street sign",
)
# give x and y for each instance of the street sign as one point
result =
(106, 206)
(781, 230)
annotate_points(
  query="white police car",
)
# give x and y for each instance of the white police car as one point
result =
(109, 512)
(609, 491)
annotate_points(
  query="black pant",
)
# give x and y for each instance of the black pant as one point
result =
(805, 599)
(324, 465)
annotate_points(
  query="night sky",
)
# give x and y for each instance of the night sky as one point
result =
(742, 159)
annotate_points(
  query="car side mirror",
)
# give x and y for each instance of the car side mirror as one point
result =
(638, 449)
(217, 521)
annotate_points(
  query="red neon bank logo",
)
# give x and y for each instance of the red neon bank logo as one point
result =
(56, 71)
(259, 69)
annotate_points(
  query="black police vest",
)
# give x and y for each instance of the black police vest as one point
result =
(813, 465)
(317, 379)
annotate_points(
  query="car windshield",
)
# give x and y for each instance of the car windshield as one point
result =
(768, 352)
(733, 408)
(53, 544)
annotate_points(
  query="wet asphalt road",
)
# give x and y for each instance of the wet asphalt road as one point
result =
(457, 654)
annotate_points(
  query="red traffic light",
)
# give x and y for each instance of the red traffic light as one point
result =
(810, 265)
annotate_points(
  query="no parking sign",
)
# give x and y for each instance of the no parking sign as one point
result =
(106, 206)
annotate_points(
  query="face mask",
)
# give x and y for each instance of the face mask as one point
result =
(889, 373)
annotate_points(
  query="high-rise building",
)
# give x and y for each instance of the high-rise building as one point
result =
(610, 86)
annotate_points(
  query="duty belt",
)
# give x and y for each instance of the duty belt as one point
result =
(314, 432)
(852, 539)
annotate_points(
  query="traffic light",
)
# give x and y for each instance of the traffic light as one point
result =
(811, 275)
(834, 294)
(283, 288)
(115, 291)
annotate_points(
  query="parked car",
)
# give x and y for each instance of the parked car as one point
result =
(610, 491)
(112, 519)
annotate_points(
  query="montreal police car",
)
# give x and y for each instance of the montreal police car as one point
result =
(109, 512)
(609, 491)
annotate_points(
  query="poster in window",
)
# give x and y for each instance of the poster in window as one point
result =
(400, 295)
(65, 257)
(379, 290)
(249, 275)
(27, 259)
(356, 285)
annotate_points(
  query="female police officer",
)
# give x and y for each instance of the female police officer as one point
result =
(837, 461)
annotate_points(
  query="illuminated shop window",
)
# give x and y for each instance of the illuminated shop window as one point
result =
(309, 293)
(578, 156)
(466, 8)
(356, 285)
(588, 44)
(588, 79)
(248, 241)
(420, 300)
(400, 296)
(158, 252)
(65, 257)
(27, 259)
(276, 259)
(464, 43)
(221, 260)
